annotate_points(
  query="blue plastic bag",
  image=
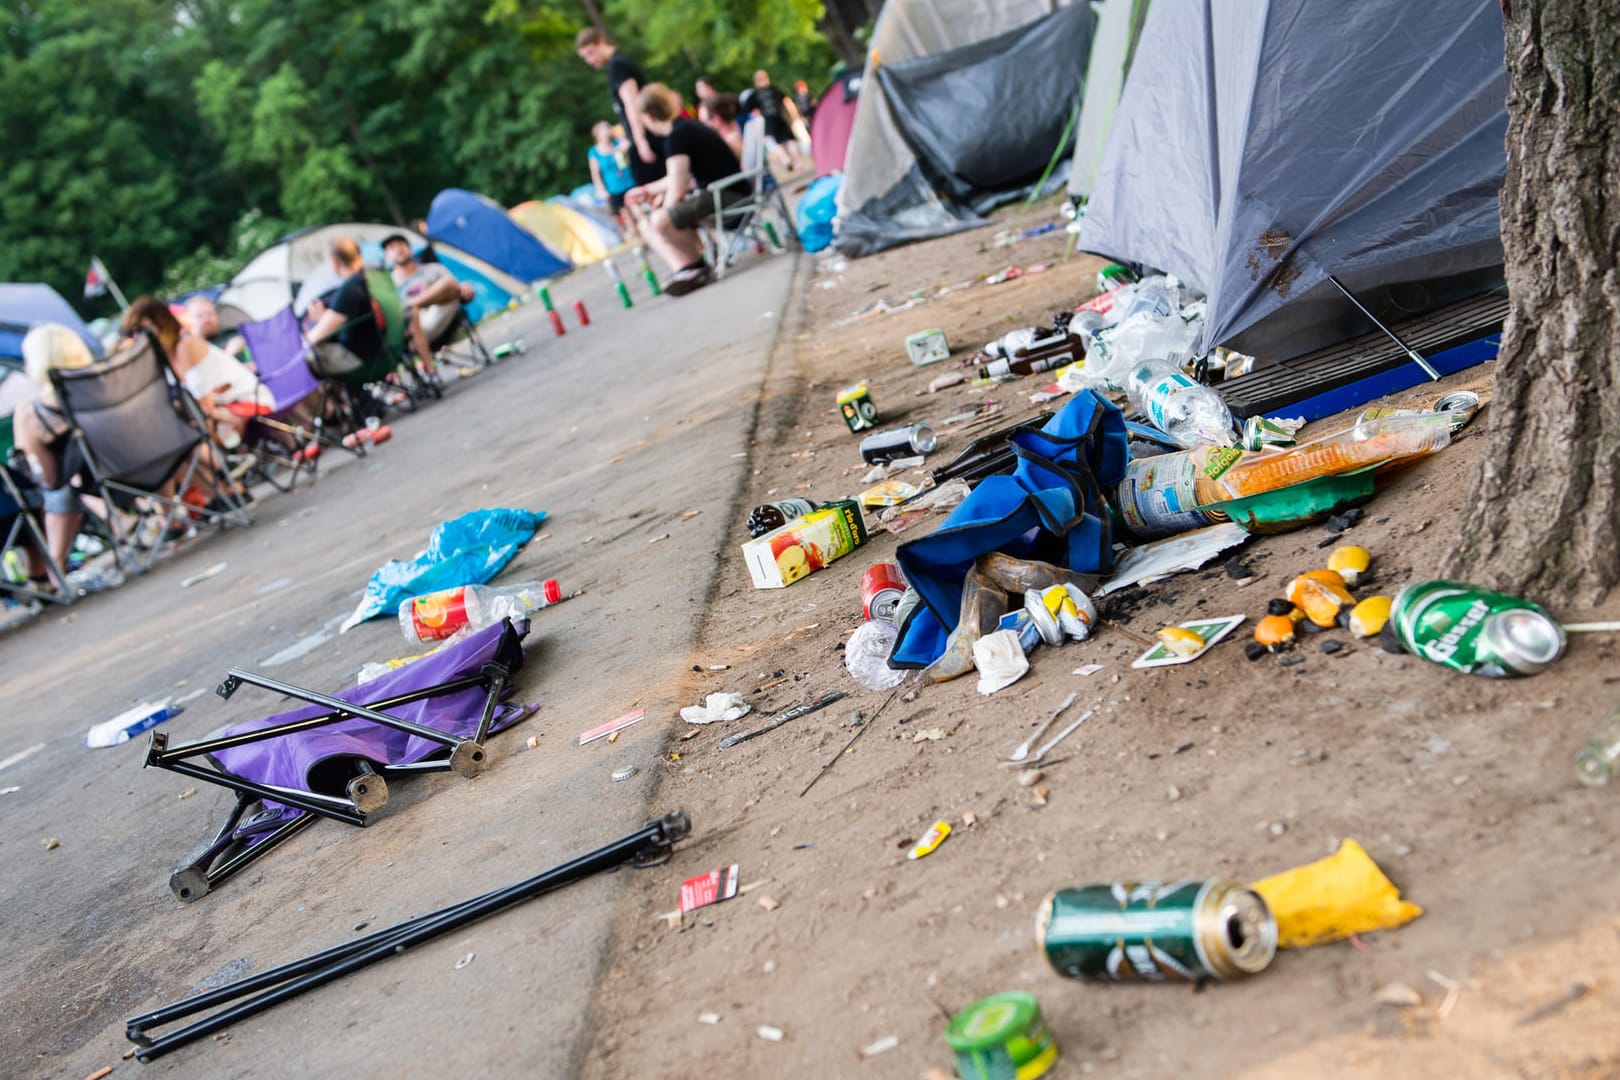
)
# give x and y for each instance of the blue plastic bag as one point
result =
(468, 550)
(816, 212)
(1052, 507)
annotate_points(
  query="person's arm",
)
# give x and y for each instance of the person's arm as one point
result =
(328, 323)
(629, 91)
(677, 178)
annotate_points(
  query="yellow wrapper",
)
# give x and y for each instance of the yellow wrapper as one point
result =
(1332, 898)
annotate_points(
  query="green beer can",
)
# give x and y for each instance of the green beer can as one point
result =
(1002, 1037)
(1148, 931)
(1474, 630)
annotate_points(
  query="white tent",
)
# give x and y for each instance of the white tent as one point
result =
(1119, 25)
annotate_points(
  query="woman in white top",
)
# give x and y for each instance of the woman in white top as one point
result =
(229, 394)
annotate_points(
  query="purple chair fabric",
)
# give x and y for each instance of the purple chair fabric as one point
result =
(320, 759)
(278, 349)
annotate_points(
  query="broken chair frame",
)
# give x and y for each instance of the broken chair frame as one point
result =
(365, 793)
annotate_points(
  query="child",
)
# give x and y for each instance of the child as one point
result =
(610, 166)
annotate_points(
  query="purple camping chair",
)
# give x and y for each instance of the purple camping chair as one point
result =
(278, 349)
(330, 758)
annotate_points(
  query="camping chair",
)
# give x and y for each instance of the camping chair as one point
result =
(478, 354)
(17, 517)
(749, 218)
(278, 349)
(330, 756)
(138, 430)
(389, 310)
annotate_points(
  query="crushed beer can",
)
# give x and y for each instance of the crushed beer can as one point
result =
(1474, 630)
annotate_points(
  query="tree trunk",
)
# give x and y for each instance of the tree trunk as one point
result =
(594, 13)
(1543, 517)
(840, 21)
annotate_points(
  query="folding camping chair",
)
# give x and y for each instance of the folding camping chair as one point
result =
(749, 218)
(279, 350)
(21, 526)
(139, 431)
(331, 755)
(389, 311)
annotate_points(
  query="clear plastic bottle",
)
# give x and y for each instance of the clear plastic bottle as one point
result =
(867, 656)
(1598, 761)
(1180, 406)
(468, 608)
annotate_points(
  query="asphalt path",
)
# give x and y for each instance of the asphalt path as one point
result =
(633, 435)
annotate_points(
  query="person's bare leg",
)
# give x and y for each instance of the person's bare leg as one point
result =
(677, 247)
(419, 341)
(60, 529)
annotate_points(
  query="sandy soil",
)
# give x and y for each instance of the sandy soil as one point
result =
(1460, 787)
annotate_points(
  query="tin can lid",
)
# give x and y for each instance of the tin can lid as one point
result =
(624, 772)
(989, 1023)
(1533, 637)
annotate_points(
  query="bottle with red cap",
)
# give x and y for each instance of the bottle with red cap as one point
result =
(439, 616)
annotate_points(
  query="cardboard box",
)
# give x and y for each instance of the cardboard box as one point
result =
(804, 545)
(928, 347)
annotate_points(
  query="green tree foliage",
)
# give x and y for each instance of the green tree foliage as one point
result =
(175, 139)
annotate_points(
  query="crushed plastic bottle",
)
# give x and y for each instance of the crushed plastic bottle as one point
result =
(867, 656)
(94, 579)
(466, 609)
(1180, 406)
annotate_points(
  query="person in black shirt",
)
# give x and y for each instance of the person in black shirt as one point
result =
(345, 333)
(625, 80)
(777, 111)
(694, 154)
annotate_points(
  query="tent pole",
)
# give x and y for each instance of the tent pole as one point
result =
(1428, 368)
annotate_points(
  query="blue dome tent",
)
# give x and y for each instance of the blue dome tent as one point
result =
(482, 227)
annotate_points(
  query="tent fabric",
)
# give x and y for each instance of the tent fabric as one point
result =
(1119, 26)
(482, 226)
(24, 306)
(1254, 153)
(1052, 507)
(562, 230)
(1026, 83)
(598, 215)
(277, 276)
(832, 121)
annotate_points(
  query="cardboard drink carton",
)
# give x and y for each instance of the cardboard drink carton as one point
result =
(804, 545)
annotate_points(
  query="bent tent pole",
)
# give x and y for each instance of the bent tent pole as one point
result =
(1417, 358)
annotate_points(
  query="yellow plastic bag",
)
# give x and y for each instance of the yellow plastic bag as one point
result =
(1332, 898)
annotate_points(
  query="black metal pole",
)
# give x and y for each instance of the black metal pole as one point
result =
(340, 960)
(347, 708)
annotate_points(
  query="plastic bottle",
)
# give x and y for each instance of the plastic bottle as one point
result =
(1598, 761)
(1178, 405)
(773, 516)
(867, 656)
(440, 615)
(1372, 443)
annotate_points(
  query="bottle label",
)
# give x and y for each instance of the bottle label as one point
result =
(1160, 394)
(438, 615)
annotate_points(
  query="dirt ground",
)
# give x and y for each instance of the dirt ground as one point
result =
(1460, 787)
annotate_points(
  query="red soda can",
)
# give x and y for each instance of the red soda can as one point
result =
(557, 324)
(881, 590)
(581, 314)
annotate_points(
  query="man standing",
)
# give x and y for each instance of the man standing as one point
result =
(432, 296)
(696, 154)
(625, 80)
(777, 112)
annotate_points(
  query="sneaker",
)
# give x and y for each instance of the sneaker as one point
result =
(684, 281)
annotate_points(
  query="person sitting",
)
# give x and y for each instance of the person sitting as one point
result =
(694, 153)
(202, 320)
(344, 333)
(227, 392)
(719, 111)
(44, 435)
(432, 296)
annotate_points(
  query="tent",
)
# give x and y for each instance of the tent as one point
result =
(296, 267)
(962, 106)
(562, 229)
(25, 306)
(598, 215)
(1258, 149)
(481, 226)
(1119, 27)
(833, 120)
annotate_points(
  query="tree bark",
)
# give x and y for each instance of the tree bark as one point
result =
(839, 22)
(594, 13)
(1543, 517)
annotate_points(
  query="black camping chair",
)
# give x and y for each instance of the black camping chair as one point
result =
(748, 220)
(21, 528)
(140, 432)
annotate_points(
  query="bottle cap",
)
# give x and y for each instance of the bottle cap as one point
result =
(552, 590)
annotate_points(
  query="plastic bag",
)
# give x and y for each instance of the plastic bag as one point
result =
(985, 600)
(867, 655)
(467, 550)
(815, 213)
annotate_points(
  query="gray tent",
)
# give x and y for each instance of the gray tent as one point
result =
(1262, 145)
(962, 106)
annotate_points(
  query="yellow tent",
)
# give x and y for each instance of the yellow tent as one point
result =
(565, 231)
